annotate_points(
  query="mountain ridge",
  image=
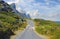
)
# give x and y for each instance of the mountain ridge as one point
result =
(22, 13)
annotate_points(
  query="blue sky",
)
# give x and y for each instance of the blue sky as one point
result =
(45, 9)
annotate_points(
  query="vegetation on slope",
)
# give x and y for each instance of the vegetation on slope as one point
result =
(48, 28)
(9, 21)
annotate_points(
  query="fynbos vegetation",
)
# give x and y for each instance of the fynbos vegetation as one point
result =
(9, 21)
(48, 28)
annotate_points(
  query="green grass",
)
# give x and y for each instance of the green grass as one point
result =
(10, 22)
(48, 28)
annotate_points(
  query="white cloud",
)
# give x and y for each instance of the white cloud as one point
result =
(38, 10)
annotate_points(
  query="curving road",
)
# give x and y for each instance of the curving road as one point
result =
(28, 33)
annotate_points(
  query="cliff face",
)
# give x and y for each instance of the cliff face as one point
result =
(21, 12)
(13, 6)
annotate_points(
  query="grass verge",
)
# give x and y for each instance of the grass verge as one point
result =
(47, 28)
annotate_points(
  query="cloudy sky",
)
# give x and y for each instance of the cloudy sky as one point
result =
(45, 9)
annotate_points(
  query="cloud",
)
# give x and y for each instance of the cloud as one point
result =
(9, 1)
(45, 9)
(34, 13)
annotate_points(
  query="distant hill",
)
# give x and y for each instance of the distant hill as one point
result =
(46, 22)
(58, 21)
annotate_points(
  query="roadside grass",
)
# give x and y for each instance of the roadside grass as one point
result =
(48, 28)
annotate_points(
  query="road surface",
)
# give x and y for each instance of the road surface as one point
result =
(28, 33)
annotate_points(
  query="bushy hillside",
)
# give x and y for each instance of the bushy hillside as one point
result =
(9, 21)
(46, 22)
(48, 28)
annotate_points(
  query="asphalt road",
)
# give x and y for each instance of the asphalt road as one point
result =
(28, 33)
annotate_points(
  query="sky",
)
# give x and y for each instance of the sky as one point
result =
(44, 9)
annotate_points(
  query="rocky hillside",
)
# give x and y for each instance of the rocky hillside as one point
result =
(5, 7)
(21, 13)
(9, 21)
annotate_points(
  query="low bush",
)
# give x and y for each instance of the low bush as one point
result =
(48, 28)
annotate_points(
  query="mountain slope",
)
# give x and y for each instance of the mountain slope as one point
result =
(4, 6)
(9, 21)
(13, 6)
